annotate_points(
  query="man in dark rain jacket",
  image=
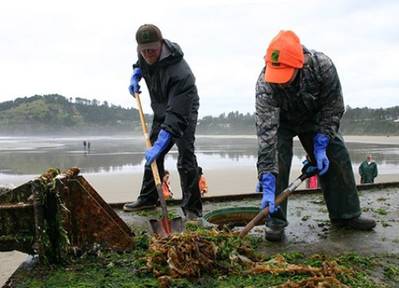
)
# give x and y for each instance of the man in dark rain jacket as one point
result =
(175, 103)
(298, 93)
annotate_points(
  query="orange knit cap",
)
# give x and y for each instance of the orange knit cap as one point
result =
(283, 56)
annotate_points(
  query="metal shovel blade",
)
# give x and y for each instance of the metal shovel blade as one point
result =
(165, 226)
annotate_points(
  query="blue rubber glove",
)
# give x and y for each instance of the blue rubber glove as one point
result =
(320, 143)
(134, 86)
(162, 142)
(268, 183)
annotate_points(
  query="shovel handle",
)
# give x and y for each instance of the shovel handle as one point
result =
(154, 166)
(279, 199)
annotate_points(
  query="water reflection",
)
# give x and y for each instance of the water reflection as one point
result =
(21, 156)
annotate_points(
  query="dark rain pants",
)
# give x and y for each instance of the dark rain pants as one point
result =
(186, 165)
(337, 184)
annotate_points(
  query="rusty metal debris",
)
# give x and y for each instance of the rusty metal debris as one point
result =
(58, 214)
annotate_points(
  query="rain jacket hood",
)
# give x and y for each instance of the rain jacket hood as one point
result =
(171, 84)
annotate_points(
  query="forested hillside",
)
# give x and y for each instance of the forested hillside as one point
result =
(57, 114)
(357, 121)
(367, 121)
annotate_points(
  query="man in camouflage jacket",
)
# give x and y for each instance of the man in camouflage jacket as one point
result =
(298, 93)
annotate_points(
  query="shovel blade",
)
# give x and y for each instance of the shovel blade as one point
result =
(166, 227)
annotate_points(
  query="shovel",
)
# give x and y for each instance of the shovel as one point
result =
(307, 171)
(165, 226)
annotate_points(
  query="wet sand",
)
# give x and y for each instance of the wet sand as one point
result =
(391, 140)
(126, 187)
(228, 180)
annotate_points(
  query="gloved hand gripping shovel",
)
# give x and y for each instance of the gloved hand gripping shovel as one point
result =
(307, 171)
(165, 226)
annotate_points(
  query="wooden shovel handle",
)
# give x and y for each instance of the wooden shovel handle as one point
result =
(279, 199)
(154, 166)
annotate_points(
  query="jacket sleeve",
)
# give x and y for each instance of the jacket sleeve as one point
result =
(182, 93)
(267, 123)
(331, 100)
(361, 173)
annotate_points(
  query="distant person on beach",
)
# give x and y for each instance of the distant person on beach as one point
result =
(202, 183)
(298, 93)
(88, 146)
(175, 103)
(368, 170)
(84, 145)
(167, 193)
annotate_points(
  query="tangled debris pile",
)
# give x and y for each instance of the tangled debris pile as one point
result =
(194, 254)
(184, 255)
(324, 276)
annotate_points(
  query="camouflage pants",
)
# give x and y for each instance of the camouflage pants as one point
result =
(338, 184)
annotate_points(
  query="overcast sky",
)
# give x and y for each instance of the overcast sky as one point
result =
(86, 48)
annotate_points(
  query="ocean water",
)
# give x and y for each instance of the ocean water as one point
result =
(23, 158)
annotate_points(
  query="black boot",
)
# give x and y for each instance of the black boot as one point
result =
(357, 223)
(274, 235)
(138, 205)
(275, 225)
(148, 197)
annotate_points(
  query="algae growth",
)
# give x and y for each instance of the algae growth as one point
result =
(214, 259)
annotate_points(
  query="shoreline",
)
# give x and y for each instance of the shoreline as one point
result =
(366, 139)
(374, 139)
(232, 179)
(119, 188)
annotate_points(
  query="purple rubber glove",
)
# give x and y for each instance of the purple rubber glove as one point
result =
(320, 143)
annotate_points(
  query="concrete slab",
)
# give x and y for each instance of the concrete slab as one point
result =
(310, 230)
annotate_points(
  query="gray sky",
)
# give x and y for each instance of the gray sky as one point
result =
(86, 48)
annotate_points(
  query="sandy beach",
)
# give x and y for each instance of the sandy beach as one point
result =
(125, 187)
(390, 140)
(231, 180)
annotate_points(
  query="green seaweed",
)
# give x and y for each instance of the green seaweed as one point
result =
(128, 270)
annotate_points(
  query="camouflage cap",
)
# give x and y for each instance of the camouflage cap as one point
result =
(148, 36)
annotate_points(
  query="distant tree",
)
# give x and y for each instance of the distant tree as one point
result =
(55, 112)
